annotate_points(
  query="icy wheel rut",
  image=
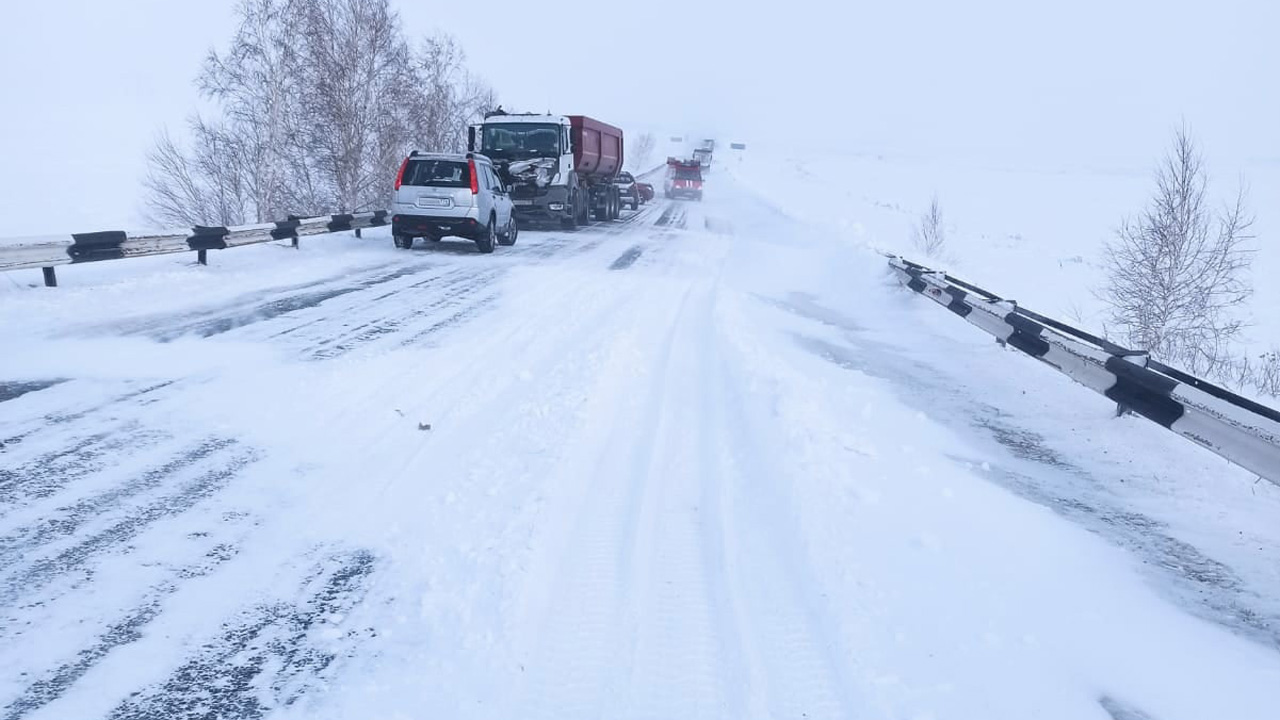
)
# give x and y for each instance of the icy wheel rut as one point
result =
(669, 595)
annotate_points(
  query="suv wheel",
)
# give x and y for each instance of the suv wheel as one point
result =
(509, 237)
(486, 243)
(404, 242)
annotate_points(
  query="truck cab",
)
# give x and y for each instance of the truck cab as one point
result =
(559, 168)
(684, 179)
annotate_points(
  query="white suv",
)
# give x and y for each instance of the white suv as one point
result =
(441, 194)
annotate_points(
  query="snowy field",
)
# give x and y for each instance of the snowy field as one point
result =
(707, 462)
(1034, 233)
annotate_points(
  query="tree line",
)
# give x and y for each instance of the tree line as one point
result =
(315, 103)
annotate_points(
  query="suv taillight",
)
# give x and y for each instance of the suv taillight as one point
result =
(400, 175)
(475, 177)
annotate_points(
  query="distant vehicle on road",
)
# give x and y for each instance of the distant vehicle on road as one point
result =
(703, 156)
(646, 192)
(628, 189)
(684, 179)
(451, 194)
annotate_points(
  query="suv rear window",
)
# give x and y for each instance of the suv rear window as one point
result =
(437, 173)
(624, 178)
(688, 174)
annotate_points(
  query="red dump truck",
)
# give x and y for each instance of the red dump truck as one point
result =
(559, 168)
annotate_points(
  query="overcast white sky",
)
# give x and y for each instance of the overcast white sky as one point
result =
(86, 83)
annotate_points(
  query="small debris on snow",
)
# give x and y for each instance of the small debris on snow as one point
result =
(424, 426)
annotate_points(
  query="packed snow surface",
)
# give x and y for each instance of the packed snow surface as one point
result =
(706, 462)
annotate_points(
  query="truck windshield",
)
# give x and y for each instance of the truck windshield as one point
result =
(520, 140)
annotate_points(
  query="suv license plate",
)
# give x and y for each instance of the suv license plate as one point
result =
(522, 202)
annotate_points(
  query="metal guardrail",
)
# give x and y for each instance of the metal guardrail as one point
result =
(1244, 432)
(49, 252)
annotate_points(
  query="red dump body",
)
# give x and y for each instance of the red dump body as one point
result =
(597, 148)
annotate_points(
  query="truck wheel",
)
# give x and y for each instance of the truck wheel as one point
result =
(486, 243)
(635, 203)
(404, 242)
(570, 222)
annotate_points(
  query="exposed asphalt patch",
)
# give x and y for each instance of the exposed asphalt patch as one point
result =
(266, 658)
(14, 390)
(53, 471)
(128, 629)
(719, 226)
(1121, 711)
(208, 327)
(628, 258)
(67, 520)
(461, 299)
(50, 420)
(71, 562)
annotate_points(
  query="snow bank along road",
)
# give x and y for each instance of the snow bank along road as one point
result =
(704, 463)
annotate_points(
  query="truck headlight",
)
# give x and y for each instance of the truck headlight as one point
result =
(555, 207)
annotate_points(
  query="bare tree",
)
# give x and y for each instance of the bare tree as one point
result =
(930, 235)
(641, 151)
(198, 188)
(318, 101)
(353, 63)
(1260, 373)
(256, 83)
(451, 97)
(1176, 273)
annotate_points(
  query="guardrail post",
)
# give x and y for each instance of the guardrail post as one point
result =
(202, 257)
(295, 241)
(357, 232)
(50, 277)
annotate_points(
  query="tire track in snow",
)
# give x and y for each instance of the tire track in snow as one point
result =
(55, 681)
(573, 671)
(458, 299)
(269, 656)
(68, 519)
(54, 422)
(222, 321)
(71, 566)
(54, 471)
(789, 642)
(684, 648)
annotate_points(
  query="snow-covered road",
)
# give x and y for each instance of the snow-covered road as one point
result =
(707, 462)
